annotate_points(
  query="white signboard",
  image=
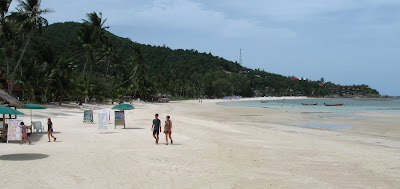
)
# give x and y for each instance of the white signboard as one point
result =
(103, 119)
(14, 131)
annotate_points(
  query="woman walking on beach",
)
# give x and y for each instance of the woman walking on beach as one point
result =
(50, 129)
(24, 135)
(167, 130)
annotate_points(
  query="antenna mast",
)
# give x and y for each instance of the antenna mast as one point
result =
(240, 59)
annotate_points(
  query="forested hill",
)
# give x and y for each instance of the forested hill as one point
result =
(114, 67)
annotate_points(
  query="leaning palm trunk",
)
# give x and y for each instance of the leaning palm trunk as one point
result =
(88, 80)
(84, 68)
(61, 97)
(19, 61)
(8, 74)
(105, 78)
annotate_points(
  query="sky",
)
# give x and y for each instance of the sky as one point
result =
(344, 41)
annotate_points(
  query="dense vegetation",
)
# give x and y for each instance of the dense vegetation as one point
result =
(78, 60)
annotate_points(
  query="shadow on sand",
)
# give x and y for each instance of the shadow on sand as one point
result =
(23, 157)
(133, 128)
(107, 133)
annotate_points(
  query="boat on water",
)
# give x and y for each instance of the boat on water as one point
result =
(340, 104)
(264, 101)
(312, 104)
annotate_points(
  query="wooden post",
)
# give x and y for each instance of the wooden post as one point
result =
(124, 118)
(4, 127)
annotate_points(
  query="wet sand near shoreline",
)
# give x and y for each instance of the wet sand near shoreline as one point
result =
(214, 147)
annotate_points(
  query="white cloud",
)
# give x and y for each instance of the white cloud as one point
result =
(298, 10)
(189, 16)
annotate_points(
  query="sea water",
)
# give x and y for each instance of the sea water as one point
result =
(381, 105)
(325, 114)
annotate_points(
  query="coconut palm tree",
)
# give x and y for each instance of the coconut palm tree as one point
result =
(92, 38)
(9, 43)
(4, 5)
(30, 19)
(96, 21)
(63, 78)
(109, 57)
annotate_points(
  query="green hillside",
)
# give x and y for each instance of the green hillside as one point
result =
(118, 67)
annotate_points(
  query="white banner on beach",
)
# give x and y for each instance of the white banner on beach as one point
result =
(14, 132)
(103, 119)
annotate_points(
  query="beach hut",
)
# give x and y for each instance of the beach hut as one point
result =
(120, 115)
(7, 100)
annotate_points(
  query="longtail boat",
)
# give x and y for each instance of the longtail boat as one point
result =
(310, 104)
(264, 101)
(340, 104)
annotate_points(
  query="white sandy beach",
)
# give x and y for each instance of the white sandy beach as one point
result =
(214, 147)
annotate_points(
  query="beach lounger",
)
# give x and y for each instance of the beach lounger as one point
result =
(38, 126)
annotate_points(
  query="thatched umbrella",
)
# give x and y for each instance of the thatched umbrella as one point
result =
(9, 100)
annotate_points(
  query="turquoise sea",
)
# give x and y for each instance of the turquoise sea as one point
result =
(324, 115)
(382, 105)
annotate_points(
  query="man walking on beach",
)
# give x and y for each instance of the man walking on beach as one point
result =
(156, 127)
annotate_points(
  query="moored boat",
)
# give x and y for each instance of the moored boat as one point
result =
(310, 104)
(264, 101)
(340, 104)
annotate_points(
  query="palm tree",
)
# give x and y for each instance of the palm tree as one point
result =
(47, 57)
(97, 23)
(34, 81)
(9, 45)
(92, 37)
(63, 78)
(4, 5)
(29, 17)
(109, 57)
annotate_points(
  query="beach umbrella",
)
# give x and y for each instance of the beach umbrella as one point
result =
(7, 110)
(123, 107)
(33, 106)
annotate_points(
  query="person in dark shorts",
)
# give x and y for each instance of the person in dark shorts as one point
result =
(156, 128)
(50, 129)
(24, 135)
(167, 129)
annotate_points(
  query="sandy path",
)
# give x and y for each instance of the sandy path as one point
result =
(215, 147)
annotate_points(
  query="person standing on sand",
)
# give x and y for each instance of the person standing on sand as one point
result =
(24, 135)
(50, 129)
(167, 129)
(156, 128)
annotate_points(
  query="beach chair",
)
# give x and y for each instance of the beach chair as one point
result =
(38, 126)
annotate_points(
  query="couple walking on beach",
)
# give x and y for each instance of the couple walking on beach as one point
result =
(156, 127)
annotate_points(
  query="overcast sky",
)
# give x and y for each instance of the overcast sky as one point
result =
(344, 41)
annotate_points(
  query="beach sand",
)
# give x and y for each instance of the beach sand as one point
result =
(214, 147)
